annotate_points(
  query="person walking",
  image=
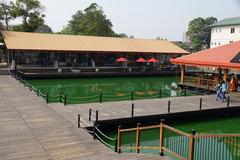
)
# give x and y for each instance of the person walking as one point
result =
(218, 91)
(224, 90)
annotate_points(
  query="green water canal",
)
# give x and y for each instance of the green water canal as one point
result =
(85, 90)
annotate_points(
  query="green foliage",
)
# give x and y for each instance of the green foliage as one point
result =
(5, 13)
(91, 21)
(199, 32)
(184, 46)
(31, 13)
(44, 29)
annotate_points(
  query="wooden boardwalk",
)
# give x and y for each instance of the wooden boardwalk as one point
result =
(32, 130)
(122, 109)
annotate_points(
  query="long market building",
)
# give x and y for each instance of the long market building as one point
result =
(223, 62)
(86, 53)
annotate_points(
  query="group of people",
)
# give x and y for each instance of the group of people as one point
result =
(221, 90)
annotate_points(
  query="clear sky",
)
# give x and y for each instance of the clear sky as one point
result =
(144, 18)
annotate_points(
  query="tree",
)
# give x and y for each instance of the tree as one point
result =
(91, 21)
(31, 13)
(44, 29)
(6, 13)
(199, 32)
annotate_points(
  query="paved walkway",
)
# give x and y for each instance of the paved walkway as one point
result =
(31, 130)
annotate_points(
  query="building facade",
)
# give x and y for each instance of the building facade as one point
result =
(225, 32)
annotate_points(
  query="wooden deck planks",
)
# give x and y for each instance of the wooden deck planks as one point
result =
(30, 129)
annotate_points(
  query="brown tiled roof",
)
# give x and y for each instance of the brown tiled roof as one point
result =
(57, 42)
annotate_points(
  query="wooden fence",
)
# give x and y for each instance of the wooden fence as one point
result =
(179, 144)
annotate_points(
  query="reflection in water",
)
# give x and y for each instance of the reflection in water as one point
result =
(110, 86)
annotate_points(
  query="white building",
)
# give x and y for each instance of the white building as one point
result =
(225, 31)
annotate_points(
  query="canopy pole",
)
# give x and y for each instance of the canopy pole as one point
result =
(182, 73)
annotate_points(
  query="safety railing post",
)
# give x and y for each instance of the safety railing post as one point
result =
(200, 104)
(132, 95)
(47, 98)
(191, 145)
(79, 121)
(132, 113)
(161, 137)
(96, 119)
(138, 138)
(169, 106)
(65, 99)
(160, 93)
(119, 140)
(90, 115)
(228, 101)
(100, 98)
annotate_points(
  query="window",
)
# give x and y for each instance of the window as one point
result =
(232, 30)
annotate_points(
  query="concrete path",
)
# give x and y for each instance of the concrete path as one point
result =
(31, 130)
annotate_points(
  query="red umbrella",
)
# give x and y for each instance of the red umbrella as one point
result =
(141, 60)
(121, 59)
(153, 60)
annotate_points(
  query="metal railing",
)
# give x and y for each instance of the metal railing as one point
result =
(179, 144)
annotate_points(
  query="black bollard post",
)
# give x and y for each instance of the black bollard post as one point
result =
(132, 110)
(37, 92)
(116, 145)
(228, 101)
(169, 106)
(90, 115)
(79, 121)
(96, 116)
(160, 93)
(200, 104)
(94, 130)
(132, 95)
(100, 98)
(47, 98)
(65, 99)
(185, 92)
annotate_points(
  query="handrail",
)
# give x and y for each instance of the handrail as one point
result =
(109, 145)
(176, 130)
(216, 135)
(104, 135)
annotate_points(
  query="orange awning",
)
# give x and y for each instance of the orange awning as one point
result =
(226, 56)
